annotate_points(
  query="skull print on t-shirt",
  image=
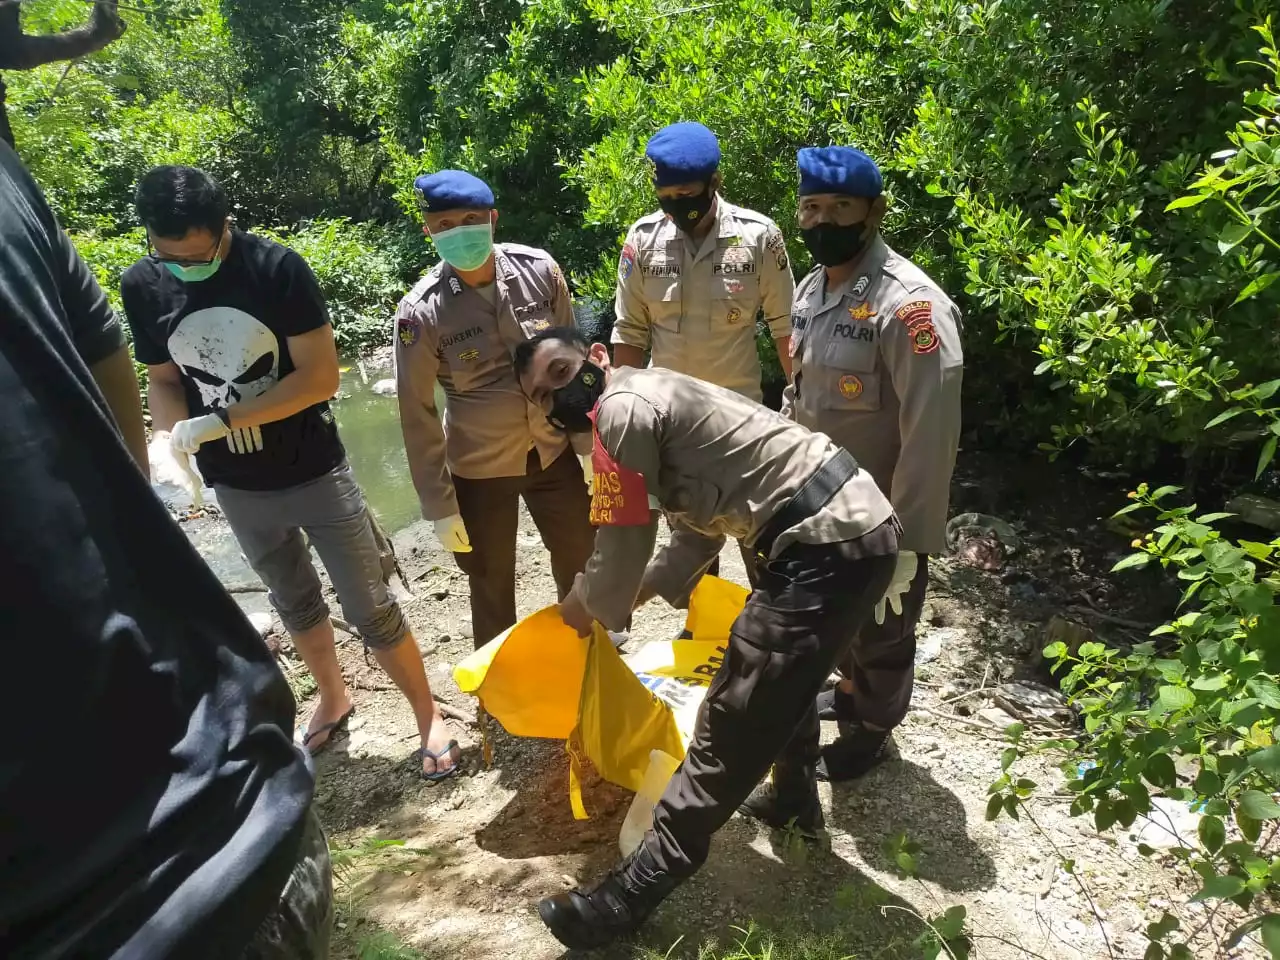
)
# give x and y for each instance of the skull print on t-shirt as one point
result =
(229, 338)
(229, 356)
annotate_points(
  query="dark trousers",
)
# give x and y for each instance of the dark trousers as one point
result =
(560, 504)
(808, 604)
(882, 658)
(299, 926)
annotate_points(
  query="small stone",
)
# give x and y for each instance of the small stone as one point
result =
(996, 717)
(445, 638)
(441, 594)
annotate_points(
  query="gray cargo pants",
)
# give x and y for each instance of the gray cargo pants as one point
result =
(331, 511)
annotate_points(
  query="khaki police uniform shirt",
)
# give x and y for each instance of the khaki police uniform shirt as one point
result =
(877, 365)
(719, 466)
(696, 308)
(449, 332)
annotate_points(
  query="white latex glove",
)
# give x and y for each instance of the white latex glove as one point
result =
(452, 534)
(588, 471)
(189, 434)
(170, 466)
(903, 574)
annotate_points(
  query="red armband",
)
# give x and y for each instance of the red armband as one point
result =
(619, 497)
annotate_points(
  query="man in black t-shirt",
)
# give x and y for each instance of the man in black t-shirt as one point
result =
(241, 362)
(152, 804)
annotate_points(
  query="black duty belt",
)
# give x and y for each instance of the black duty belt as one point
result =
(815, 494)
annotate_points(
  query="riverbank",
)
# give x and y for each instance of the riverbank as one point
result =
(454, 869)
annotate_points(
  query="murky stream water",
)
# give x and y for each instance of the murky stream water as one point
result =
(370, 429)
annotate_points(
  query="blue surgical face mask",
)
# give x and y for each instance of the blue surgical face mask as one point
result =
(466, 247)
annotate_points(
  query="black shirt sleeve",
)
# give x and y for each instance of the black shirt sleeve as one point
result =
(89, 320)
(137, 311)
(94, 328)
(302, 306)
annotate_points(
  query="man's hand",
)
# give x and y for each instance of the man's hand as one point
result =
(903, 574)
(188, 435)
(573, 612)
(588, 471)
(452, 534)
(173, 467)
(106, 23)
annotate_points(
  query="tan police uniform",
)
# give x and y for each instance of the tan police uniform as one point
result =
(490, 446)
(696, 308)
(720, 465)
(877, 366)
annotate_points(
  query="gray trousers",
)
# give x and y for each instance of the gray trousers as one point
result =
(331, 511)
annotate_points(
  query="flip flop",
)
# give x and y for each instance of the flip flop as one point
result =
(329, 728)
(424, 753)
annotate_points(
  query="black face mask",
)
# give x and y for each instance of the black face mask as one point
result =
(687, 212)
(832, 245)
(571, 403)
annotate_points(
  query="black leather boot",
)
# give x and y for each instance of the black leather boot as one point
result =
(613, 908)
(856, 752)
(788, 799)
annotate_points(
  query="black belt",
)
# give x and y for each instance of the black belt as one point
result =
(815, 494)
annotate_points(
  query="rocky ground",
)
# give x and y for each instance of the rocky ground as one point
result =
(454, 869)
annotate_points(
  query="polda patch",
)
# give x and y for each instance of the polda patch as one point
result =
(915, 314)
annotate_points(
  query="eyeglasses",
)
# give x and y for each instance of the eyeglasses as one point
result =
(183, 261)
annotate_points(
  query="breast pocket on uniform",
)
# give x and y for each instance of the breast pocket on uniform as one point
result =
(852, 375)
(535, 317)
(474, 361)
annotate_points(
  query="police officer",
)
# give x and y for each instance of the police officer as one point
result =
(459, 325)
(719, 465)
(694, 276)
(876, 352)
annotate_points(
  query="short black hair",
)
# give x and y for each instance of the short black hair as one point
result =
(173, 201)
(527, 348)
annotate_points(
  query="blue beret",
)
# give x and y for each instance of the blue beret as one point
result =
(452, 190)
(683, 153)
(838, 170)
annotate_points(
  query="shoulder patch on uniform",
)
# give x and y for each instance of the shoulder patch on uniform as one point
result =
(627, 261)
(408, 330)
(455, 286)
(918, 316)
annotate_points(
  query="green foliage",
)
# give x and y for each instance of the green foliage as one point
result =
(361, 270)
(1192, 715)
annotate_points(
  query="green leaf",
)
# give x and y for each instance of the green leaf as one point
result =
(1166, 491)
(1250, 828)
(1266, 762)
(1190, 200)
(1232, 235)
(1271, 934)
(1265, 689)
(1007, 758)
(1220, 888)
(1213, 833)
(1257, 286)
(951, 925)
(994, 806)
(1153, 952)
(1212, 681)
(1163, 927)
(1160, 771)
(1223, 417)
(1256, 805)
(1055, 651)
(1104, 817)
(1170, 699)
(1266, 456)
(1207, 783)
(907, 863)
(1135, 560)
